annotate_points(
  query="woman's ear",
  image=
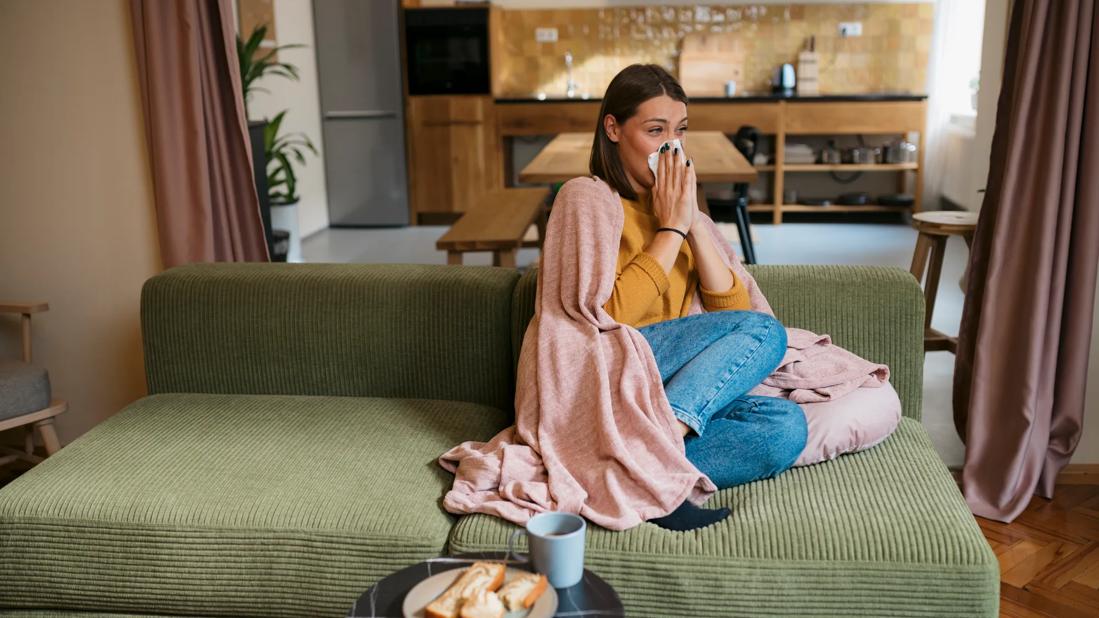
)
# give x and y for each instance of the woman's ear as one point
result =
(610, 127)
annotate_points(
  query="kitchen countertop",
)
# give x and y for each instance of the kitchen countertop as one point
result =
(748, 98)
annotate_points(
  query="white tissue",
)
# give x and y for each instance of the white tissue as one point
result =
(654, 158)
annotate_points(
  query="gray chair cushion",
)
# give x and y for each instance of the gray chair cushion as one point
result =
(23, 388)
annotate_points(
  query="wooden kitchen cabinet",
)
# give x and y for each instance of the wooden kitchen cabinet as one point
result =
(454, 155)
(706, 116)
(872, 117)
(837, 118)
(523, 119)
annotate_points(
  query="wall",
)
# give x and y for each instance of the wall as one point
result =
(77, 225)
(993, 47)
(959, 156)
(294, 24)
(891, 55)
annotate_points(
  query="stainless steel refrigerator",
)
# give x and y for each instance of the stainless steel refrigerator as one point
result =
(359, 71)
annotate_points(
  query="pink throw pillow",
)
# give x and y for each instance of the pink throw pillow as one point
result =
(854, 422)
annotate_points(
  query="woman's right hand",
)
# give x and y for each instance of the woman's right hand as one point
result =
(674, 193)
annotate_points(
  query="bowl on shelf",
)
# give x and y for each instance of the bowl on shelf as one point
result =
(856, 198)
(896, 199)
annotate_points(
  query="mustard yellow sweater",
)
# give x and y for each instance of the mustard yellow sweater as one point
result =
(643, 293)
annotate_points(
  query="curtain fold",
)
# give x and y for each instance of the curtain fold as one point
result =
(1021, 368)
(197, 132)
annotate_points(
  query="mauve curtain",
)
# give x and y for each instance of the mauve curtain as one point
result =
(1021, 368)
(197, 132)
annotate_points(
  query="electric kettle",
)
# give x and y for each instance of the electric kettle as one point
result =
(784, 81)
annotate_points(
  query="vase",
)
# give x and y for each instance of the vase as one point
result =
(285, 217)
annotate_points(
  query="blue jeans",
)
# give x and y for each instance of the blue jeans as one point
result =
(708, 363)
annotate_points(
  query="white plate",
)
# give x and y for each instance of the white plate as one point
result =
(428, 590)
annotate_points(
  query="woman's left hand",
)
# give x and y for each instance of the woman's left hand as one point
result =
(692, 181)
(713, 274)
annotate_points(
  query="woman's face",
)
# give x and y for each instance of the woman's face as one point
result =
(658, 120)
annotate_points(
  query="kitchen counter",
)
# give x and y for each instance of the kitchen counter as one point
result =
(871, 113)
(748, 98)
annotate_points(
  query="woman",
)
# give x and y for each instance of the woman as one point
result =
(709, 361)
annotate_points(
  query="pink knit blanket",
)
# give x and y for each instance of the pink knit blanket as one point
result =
(594, 433)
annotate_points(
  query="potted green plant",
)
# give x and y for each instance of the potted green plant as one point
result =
(281, 151)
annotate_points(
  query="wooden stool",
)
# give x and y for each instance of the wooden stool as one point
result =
(934, 228)
(501, 223)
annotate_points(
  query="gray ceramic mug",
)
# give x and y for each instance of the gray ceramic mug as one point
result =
(556, 542)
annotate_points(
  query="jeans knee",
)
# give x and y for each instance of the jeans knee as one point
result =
(772, 336)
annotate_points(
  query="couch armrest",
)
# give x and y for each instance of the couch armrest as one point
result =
(876, 312)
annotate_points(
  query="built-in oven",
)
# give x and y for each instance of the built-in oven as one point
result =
(447, 51)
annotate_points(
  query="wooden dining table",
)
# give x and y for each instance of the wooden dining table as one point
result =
(566, 157)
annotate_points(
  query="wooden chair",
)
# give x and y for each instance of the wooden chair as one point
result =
(501, 223)
(25, 399)
(934, 228)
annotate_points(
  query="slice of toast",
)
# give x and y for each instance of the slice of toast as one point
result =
(484, 604)
(522, 591)
(478, 577)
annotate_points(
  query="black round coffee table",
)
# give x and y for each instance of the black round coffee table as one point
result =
(591, 597)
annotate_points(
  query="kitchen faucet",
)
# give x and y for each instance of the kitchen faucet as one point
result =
(570, 86)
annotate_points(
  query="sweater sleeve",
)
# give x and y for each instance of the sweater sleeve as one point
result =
(641, 282)
(734, 299)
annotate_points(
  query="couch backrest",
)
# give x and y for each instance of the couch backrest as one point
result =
(876, 312)
(383, 330)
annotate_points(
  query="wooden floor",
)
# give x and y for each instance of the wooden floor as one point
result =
(1049, 556)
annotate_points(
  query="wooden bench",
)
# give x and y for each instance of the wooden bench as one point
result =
(500, 223)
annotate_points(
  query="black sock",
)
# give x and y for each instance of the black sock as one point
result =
(690, 517)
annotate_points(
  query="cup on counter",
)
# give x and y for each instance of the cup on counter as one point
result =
(556, 542)
(730, 88)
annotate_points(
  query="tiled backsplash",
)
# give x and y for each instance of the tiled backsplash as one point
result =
(891, 55)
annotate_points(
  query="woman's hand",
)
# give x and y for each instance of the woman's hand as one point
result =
(675, 201)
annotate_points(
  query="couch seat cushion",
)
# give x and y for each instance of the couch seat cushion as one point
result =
(234, 505)
(884, 532)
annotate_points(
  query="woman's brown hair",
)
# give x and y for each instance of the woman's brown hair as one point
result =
(632, 86)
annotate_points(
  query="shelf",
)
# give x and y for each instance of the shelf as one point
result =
(832, 208)
(850, 167)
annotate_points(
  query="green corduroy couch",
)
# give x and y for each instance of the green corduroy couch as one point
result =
(284, 461)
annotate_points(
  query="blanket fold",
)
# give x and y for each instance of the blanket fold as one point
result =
(594, 433)
(815, 370)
